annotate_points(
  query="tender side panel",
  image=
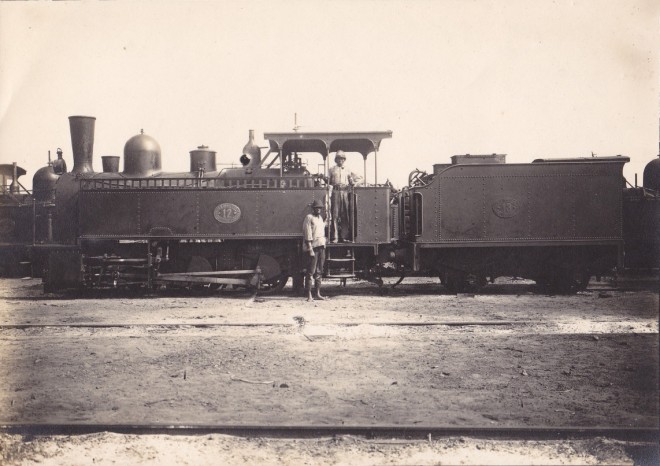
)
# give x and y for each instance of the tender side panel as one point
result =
(453, 210)
(508, 211)
(552, 204)
(531, 202)
(599, 214)
(373, 214)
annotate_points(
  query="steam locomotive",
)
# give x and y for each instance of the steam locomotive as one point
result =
(556, 221)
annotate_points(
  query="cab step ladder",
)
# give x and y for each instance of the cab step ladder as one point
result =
(340, 263)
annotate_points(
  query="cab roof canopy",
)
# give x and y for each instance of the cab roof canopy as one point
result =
(363, 142)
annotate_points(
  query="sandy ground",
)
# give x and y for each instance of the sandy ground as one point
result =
(116, 449)
(360, 358)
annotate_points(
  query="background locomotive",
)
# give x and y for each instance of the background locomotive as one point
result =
(556, 221)
(16, 221)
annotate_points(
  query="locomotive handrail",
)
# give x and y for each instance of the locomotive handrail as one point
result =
(178, 183)
(592, 159)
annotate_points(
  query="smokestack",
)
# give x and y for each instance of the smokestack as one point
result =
(82, 142)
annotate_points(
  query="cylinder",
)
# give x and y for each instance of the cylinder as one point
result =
(110, 163)
(202, 159)
(82, 143)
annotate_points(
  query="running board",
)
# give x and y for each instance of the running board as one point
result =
(251, 278)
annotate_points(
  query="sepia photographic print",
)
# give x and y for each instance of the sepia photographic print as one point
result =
(329, 232)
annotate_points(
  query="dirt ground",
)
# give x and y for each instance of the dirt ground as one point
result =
(114, 449)
(360, 358)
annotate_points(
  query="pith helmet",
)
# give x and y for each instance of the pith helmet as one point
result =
(340, 155)
(317, 204)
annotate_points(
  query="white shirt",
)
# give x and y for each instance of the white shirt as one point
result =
(342, 176)
(314, 231)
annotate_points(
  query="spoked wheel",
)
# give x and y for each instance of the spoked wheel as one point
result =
(274, 285)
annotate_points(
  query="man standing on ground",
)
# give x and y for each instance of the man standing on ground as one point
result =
(314, 247)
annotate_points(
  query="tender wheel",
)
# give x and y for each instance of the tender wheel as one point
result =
(564, 282)
(460, 282)
(572, 281)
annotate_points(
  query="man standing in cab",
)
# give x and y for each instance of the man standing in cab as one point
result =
(341, 179)
(314, 248)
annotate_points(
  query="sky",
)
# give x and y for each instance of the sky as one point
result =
(527, 79)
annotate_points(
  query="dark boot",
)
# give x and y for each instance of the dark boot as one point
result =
(317, 290)
(308, 289)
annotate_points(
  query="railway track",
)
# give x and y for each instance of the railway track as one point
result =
(267, 324)
(408, 432)
(355, 288)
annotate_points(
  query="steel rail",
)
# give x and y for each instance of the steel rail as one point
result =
(390, 431)
(271, 324)
(422, 289)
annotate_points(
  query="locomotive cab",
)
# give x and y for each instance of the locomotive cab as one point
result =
(369, 211)
(368, 216)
